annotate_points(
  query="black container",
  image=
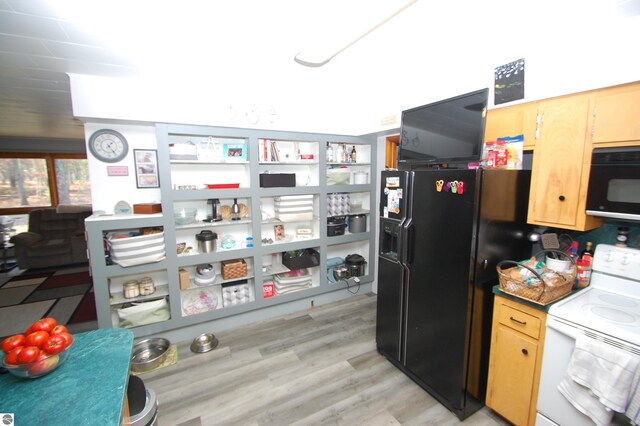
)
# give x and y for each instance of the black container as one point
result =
(273, 180)
(335, 226)
(301, 259)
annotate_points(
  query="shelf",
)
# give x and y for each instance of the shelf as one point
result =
(183, 185)
(218, 163)
(118, 299)
(201, 224)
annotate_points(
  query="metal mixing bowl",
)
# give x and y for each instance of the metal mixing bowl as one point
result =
(149, 353)
(204, 343)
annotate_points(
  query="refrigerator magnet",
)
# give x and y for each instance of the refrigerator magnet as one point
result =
(447, 187)
(385, 212)
(399, 192)
(439, 185)
(393, 182)
(454, 186)
(460, 187)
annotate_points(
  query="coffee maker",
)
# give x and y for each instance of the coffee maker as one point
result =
(215, 215)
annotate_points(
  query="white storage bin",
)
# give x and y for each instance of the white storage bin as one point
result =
(138, 250)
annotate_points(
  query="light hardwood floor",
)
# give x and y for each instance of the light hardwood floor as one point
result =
(319, 366)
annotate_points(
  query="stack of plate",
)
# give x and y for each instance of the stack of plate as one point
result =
(296, 280)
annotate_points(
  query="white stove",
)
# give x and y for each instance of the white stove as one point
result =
(608, 310)
(611, 304)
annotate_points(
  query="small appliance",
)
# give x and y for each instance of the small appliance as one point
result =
(614, 183)
(331, 264)
(356, 265)
(215, 216)
(206, 241)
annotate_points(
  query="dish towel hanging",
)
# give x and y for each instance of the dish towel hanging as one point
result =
(599, 379)
(633, 408)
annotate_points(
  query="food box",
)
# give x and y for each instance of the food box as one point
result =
(235, 293)
(147, 208)
(234, 268)
(185, 281)
(272, 180)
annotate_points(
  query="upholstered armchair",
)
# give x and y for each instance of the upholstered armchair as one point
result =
(55, 238)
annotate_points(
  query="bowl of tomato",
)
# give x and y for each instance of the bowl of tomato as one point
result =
(40, 350)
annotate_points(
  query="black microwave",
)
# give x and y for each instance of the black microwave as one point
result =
(614, 183)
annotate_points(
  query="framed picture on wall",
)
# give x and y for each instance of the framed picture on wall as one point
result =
(146, 165)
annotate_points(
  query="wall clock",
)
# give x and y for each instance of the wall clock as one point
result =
(108, 146)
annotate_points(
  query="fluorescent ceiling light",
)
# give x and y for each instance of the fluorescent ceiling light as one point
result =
(313, 58)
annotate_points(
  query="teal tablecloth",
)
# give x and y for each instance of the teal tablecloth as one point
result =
(89, 388)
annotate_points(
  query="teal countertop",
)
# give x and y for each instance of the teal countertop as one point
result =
(88, 388)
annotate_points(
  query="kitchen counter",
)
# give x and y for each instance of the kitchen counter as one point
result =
(88, 388)
(545, 308)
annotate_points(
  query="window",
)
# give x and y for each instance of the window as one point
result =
(29, 181)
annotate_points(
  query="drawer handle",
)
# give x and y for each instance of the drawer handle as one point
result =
(525, 351)
(518, 321)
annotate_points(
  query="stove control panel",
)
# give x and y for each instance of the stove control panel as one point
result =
(621, 261)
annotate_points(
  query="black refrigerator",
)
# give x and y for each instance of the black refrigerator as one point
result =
(442, 232)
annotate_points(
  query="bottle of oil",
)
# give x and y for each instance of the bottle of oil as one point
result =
(587, 253)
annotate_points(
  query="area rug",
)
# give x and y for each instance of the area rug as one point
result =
(65, 294)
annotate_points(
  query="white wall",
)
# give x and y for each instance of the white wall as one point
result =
(107, 190)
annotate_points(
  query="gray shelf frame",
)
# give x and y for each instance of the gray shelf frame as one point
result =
(172, 262)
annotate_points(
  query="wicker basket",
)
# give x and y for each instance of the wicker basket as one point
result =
(537, 291)
(235, 268)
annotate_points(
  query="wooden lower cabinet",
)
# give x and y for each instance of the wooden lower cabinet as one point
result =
(517, 341)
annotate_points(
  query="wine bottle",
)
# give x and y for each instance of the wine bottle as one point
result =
(587, 253)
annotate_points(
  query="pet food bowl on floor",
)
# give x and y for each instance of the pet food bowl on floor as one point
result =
(204, 343)
(149, 353)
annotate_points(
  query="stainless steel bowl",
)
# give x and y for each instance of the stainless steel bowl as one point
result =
(149, 353)
(204, 343)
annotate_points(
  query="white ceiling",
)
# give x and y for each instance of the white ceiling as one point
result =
(244, 44)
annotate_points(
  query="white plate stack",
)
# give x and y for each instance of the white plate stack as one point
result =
(290, 208)
(288, 282)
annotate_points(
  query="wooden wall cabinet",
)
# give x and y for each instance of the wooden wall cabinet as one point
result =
(615, 116)
(514, 120)
(561, 165)
(517, 341)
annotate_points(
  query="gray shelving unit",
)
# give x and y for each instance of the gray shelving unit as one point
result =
(182, 185)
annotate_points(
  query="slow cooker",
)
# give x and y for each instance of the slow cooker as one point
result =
(335, 226)
(356, 265)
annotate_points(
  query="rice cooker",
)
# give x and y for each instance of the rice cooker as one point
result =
(356, 265)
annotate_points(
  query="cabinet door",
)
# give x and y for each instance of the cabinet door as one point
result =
(513, 121)
(616, 114)
(560, 164)
(512, 375)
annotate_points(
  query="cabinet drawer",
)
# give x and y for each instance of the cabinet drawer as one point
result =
(521, 321)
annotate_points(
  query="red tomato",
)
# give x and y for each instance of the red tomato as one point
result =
(36, 338)
(68, 337)
(54, 344)
(44, 324)
(12, 342)
(12, 357)
(28, 354)
(58, 329)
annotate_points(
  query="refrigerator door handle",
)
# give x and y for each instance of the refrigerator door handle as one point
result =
(406, 242)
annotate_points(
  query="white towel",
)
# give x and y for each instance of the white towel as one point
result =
(585, 401)
(633, 408)
(604, 373)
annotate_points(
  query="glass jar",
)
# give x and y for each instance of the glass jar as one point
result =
(146, 286)
(130, 289)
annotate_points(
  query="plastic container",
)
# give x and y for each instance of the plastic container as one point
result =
(584, 272)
